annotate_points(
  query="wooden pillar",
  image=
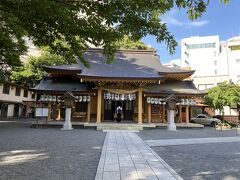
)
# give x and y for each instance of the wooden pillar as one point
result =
(180, 114)
(164, 119)
(99, 105)
(140, 106)
(187, 114)
(49, 111)
(88, 111)
(58, 112)
(149, 113)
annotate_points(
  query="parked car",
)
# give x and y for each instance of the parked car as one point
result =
(206, 120)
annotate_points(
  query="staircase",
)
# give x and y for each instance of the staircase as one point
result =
(119, 126)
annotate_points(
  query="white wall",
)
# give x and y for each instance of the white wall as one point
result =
(12, 99)
(11, 96)
(209, 81)
(203, 60)
(234, 58)
(10, 110)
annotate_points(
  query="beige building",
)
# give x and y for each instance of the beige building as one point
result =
(15, 101)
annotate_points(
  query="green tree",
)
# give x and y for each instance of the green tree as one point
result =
(68, 27)
(128, 43)
(31, 73)
(225, 94)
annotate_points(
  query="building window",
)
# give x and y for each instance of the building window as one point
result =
(25, 93)
(18, 91)
(200, 46)
(205, 86)
(215, 62)
(33, 95)
(6, 89)
(237, 60)
(215, 72)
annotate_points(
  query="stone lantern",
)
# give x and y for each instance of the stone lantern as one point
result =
(69, 102)
(171, 101)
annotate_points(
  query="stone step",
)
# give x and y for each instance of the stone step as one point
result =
(119, 127)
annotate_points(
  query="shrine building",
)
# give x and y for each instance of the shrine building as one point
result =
(136, 82)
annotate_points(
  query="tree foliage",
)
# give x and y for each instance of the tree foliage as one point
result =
(128, 43)
(224, 94)
(32, 72)
(68, 27)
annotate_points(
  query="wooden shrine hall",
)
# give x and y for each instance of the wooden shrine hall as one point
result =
(136, 83)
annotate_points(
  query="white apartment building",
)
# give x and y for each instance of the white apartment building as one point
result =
(214, 62)
(15, 100)
(230, 53)
(201, 54)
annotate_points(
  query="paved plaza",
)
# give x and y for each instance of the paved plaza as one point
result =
(177, 142)
(206, 132)
(207, 155)
(50, 153)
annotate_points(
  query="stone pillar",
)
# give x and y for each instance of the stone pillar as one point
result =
(67, 124)
(88, 111)
(140, 106)
(149, 113)
(187, 114)
(171, 124)
(99, 105)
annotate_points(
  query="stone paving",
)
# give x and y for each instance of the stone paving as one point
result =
(126, 157)
(174, 142)
(48, 153)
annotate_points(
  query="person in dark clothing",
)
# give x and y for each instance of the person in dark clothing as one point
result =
(119, 113)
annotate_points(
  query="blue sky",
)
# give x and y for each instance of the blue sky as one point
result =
(219, 19)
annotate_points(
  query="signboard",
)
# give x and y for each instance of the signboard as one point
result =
(120, 97)
(41, 112)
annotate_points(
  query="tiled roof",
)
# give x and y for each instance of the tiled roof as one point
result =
(127, 64)
(174, 87)
(60, 85)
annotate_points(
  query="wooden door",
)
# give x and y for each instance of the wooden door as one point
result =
(108, 112)
(16, 110)
(4, 110)
(128, 110)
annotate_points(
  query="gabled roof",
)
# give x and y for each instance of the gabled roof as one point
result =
(174, 87)
(135, 64)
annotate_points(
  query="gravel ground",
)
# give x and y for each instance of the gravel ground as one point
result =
(206, 161)
(28, 153)
(185, 133)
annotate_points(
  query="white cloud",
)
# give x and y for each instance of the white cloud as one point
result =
(170, 19)
(199, 23)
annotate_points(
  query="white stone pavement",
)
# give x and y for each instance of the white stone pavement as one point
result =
(174, 142)
(126, 157)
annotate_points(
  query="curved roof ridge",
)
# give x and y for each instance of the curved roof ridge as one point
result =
(144, 51)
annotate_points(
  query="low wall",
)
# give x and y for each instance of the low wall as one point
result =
(230, 119)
